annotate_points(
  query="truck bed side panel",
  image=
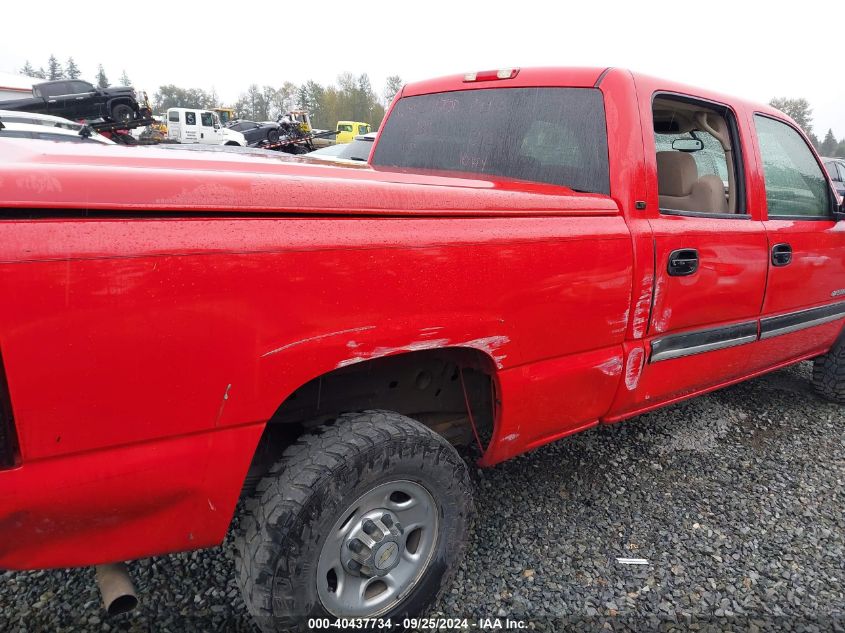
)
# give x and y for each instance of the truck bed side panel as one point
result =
(126, 332)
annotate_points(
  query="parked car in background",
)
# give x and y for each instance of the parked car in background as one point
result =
(76, 99)
(836, 168)
(356, 151)
(348, 130)
(255, 132)
(188, 125)
(48, 120)
(19, 129)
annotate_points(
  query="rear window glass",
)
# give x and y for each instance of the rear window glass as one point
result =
(551, 135)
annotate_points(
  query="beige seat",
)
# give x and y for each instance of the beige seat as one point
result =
(680, 188)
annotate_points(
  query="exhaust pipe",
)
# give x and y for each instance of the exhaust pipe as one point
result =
(116, 588)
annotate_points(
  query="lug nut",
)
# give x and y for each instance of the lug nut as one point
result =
(356, 546)
(354, 565)
(369, 527)
(387, 519)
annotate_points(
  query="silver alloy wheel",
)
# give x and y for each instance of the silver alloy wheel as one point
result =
(377, 550)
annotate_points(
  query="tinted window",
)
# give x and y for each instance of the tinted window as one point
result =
(552, 135)
(79, 86)
(173, 116)
(841, 171)
(51, 90)
(795, 184)
(190, 118)
(207, 119)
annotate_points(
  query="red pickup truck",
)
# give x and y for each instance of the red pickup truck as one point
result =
(530, 253)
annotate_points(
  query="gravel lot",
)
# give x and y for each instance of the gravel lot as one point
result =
(734, 499)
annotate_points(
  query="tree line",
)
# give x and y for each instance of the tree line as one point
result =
(350, 98)
(801, 112)
(55, 70)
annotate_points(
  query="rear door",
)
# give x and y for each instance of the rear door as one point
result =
(174, 125)
(710, 248)
(190, 127)
(804, 304)
(81, 100)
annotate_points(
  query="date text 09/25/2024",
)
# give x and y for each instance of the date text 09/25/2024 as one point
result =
(433, 624)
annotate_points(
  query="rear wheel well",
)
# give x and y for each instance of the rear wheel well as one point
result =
(430, 386)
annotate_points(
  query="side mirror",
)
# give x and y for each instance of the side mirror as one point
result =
(839, 214)
(688, 145)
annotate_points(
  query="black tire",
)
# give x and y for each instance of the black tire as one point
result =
(122, 113)
(287, 521)
(273, 136)
(829, 373)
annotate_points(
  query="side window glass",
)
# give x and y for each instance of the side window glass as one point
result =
(795, 184)
(190, 118)
(841, 172)
(696, 158)
(173, 116)
(207, 119)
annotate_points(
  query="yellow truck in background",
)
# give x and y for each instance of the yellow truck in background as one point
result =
(227, 115)
(348, 130)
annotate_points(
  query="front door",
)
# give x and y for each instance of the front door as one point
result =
(208, 133)
(804, 304)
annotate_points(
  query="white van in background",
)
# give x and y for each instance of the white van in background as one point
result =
(186, 125)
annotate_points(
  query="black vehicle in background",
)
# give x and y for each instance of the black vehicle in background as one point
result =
(75, 99)
(836, 168)
(256, 132)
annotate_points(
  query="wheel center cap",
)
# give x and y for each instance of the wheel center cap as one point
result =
(386, 556)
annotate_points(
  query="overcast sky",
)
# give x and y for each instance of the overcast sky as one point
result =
(756, 50)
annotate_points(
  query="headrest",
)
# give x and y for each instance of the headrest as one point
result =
(676, 172)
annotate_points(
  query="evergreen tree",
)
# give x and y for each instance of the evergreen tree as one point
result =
(71, 69)
(28, 70)
(124, 79)
(102, 81)
(54, 69)
(829, 144)
(40, 73)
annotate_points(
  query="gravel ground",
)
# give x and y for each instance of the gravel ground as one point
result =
(734, 500)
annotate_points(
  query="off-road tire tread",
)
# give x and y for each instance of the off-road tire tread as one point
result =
(829, 373)
(281, 498)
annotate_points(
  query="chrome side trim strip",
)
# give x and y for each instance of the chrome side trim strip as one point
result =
(700, 341)
(800, 320)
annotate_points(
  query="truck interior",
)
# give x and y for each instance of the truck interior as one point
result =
(696, 167)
